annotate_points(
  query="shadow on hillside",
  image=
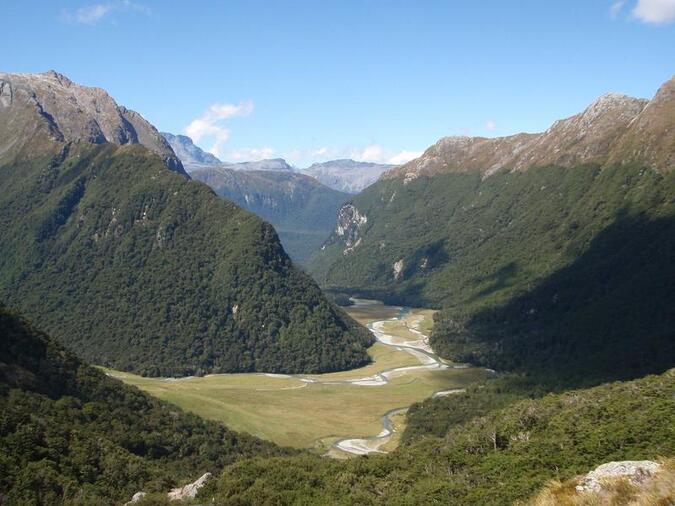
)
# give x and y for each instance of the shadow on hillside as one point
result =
(500, 279)
(609, 315)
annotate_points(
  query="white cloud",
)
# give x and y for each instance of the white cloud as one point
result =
(301, 157)
(377, 154)
(249, 154)
(372, 153)
(658, 12)
(490, 125)
(210, 124)
(92, 14)
(615, 9)
(404, 157)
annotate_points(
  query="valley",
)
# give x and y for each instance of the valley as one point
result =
(343, 413)
(337, 253)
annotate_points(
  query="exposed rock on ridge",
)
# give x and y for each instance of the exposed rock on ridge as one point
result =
(69, 112)
(614, 128)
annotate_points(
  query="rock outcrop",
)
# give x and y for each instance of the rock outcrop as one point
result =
(349, 223)
(635, 471)
(52, 104)
(188, 491)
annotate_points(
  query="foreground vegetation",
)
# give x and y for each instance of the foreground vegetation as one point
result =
(504, 456)
(140, 269)
(71, 435)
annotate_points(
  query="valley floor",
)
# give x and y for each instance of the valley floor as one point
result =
(342, 414)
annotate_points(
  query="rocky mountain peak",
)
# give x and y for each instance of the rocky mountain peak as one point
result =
(614, 128)
(192, 156)
(50, 103)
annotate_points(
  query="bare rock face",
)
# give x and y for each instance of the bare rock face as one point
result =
(136, 497)
(635, 471)
(190, 490)
(614, 129)
(193, 157)
(52, 104)
(346, 175)
(349, 223)
(650, 137)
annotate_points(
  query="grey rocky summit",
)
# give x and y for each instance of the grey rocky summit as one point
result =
(273, 164)
(346, 175)
(188, 152)
(68, 112)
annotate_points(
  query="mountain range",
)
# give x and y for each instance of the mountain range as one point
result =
(347, 175)
(108, 245)
(537, 248)
(301, 208)
(548, 256)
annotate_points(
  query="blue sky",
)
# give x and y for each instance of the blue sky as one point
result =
(372, 79)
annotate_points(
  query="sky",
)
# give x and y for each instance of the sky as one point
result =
(373, 80)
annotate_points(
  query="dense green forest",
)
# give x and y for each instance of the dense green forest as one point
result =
(493, 459)
(70, 434)
(301, 209)
(137, 268)
(538, 269)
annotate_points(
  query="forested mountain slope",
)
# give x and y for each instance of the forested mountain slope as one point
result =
(301, 209)
(69, 434)
(135, 267)
(549, 251)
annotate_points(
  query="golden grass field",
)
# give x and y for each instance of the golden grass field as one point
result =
(294, 413)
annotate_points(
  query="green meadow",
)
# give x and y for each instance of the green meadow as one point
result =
(297, 413)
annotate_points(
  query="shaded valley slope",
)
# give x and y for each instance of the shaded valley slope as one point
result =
(546, 252)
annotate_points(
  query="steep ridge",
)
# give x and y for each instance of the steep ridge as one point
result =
(67, 112)
(71, 435)
(540, 249)
(136, 267)
(301, 209)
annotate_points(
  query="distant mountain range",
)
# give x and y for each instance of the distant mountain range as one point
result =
(109, 246)
(301, 209)
(189, 154)
(348, 176)
(298, 204)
